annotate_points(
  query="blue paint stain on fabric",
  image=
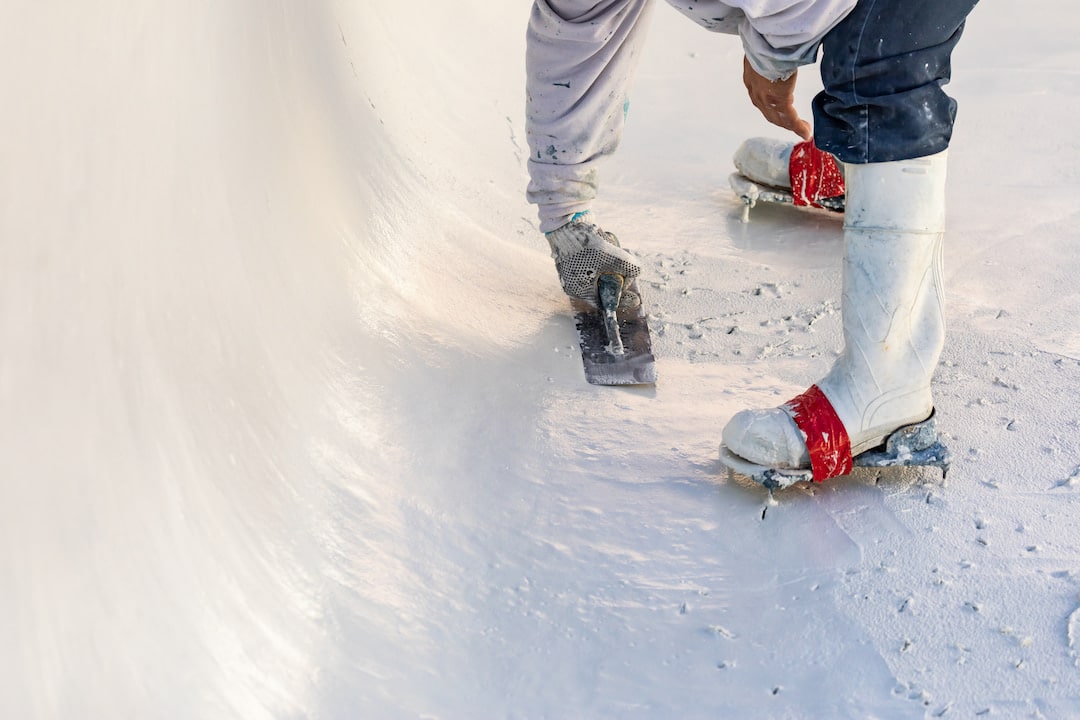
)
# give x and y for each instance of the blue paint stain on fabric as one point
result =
(578, 215)
(625, 108)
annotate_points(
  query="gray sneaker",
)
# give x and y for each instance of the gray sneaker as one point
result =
(583, 252)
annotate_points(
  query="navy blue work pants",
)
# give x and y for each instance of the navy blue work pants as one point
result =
(883, 68)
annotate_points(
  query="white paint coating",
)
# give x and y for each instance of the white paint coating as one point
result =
(293, 427)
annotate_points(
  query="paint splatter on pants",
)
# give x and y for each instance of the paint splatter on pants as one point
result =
(882, 67)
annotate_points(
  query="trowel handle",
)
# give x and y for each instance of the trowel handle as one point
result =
(610, 287)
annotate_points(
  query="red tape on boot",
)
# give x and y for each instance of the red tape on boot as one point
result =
(827, 440)
(814, 175)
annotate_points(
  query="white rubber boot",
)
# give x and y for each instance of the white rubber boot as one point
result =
(765, 161)
(893, 317)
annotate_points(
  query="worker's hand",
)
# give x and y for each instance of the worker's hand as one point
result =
(775, 100)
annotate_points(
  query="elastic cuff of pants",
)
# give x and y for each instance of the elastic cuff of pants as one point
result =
(553, 218)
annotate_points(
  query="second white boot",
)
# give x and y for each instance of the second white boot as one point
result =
(784, 172)
(893, 325)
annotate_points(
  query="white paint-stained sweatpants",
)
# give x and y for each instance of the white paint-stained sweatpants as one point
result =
(580, 60)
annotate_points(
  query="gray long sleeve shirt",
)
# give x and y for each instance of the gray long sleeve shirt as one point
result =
(778, 35)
